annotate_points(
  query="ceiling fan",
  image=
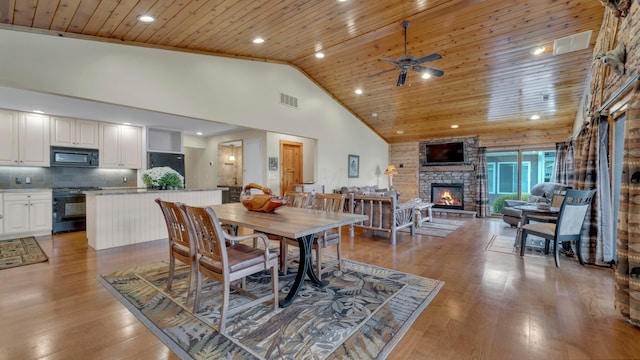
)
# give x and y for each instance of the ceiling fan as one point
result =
(406, 62)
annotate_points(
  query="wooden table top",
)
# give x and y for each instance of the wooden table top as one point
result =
(286, 221)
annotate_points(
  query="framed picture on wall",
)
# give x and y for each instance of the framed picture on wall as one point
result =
(354, 166)
(273, 163)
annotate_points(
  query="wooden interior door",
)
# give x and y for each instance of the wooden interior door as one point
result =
(290, 165)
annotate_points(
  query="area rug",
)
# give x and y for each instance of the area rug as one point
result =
(438, 227)
(362, 314)
(507, 244)
(22, 251)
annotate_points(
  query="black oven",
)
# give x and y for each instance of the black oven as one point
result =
(69, 209)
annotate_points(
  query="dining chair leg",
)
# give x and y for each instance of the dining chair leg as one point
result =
(579, 252)
(224, 307)
(318, 261)
(284, 256)
(193, 273)
(556, 253)
(196, 299)
(274, 287)
(523, 241)
(172, 266)
(339, 246)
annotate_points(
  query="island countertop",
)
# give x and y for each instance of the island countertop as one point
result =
(133, 216)
(133, 191)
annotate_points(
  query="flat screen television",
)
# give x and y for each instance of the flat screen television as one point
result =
(444, 154)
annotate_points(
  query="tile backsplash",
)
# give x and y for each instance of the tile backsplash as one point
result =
(65, 177)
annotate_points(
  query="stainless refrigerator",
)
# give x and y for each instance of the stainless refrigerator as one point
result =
(174, 161)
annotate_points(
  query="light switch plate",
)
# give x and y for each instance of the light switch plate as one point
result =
(27, 180)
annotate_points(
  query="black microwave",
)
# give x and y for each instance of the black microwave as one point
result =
(61, 156)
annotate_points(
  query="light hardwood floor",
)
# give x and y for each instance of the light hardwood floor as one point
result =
(492, 306)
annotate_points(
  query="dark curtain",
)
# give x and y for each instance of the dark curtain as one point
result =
(563, 172)
(585, 178)
(628, 240)
(482, 198)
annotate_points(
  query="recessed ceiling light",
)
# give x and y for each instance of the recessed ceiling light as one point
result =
(258, 40)
(38, 111)
(426, 76)
(146, 18)
(358, 91)
(399, 132)
(537, 50)
(126, 123)
(319, 55)
(535, 117)
(199, 133)
(455, 126)
(374, 114)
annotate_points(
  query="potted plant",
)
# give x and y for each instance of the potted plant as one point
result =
(162, 177)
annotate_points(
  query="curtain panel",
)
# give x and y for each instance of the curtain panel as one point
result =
(482, 199)
(627, 297)
(563, 171)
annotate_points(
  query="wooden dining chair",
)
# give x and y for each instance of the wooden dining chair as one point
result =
(228, 264)
(180, 245)
(324, 239)
(568, 227)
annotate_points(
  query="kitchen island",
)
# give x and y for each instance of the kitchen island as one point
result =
(129, 216)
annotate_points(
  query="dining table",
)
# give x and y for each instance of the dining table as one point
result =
(293, 223)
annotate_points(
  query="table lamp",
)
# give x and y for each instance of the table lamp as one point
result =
(390, 171)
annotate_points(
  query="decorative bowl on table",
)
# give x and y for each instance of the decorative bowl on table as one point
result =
(543, 205)
(266, 202)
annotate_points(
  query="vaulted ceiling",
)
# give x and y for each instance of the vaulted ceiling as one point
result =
(491, 83)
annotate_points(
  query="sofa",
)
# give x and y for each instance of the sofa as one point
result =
(513, 216)
(384, 212)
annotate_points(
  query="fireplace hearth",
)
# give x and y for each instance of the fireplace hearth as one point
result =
(447, 196)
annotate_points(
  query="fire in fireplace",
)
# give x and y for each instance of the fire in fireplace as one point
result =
(448, 196)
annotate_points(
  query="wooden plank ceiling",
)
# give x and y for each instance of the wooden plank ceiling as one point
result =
(492, 83)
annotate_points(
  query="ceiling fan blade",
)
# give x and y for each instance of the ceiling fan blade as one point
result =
(428, 58)
(402, 78)
(431, 71)
(390, 60)
(381, 72)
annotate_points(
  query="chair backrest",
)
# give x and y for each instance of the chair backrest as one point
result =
(297, 199)
(205, 229)
(573, 211)
(176, 225)
(328, 202)
(558, 198)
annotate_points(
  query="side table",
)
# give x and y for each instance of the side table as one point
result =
(419, 208)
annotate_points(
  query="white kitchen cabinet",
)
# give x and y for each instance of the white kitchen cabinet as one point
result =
(74, 133)
(24, 139)
(120, 146)
(28, 212)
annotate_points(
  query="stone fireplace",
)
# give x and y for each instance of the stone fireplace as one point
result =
(462, 177)
(447, 196)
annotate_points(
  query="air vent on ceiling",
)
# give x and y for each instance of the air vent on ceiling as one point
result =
(572, 43)
(289, 100)
(545, 97)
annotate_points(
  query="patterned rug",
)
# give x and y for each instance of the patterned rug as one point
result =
(362, 314)
(438, 227)
(22, 251)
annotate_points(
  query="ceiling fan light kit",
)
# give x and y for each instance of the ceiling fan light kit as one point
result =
(409, 62)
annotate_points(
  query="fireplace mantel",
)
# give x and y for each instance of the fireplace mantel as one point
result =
(465, 167)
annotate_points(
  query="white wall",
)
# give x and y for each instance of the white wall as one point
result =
(239, 92)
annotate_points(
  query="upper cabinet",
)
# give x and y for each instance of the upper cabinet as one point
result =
(74, 133)
(120, 146)
(161, 140)
(24, 139)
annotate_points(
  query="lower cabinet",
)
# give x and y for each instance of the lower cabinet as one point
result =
(28, 212)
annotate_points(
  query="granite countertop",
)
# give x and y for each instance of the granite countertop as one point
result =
(131, 191)
(25, 190)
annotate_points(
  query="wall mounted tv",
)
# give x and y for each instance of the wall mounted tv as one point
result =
(444, 154)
